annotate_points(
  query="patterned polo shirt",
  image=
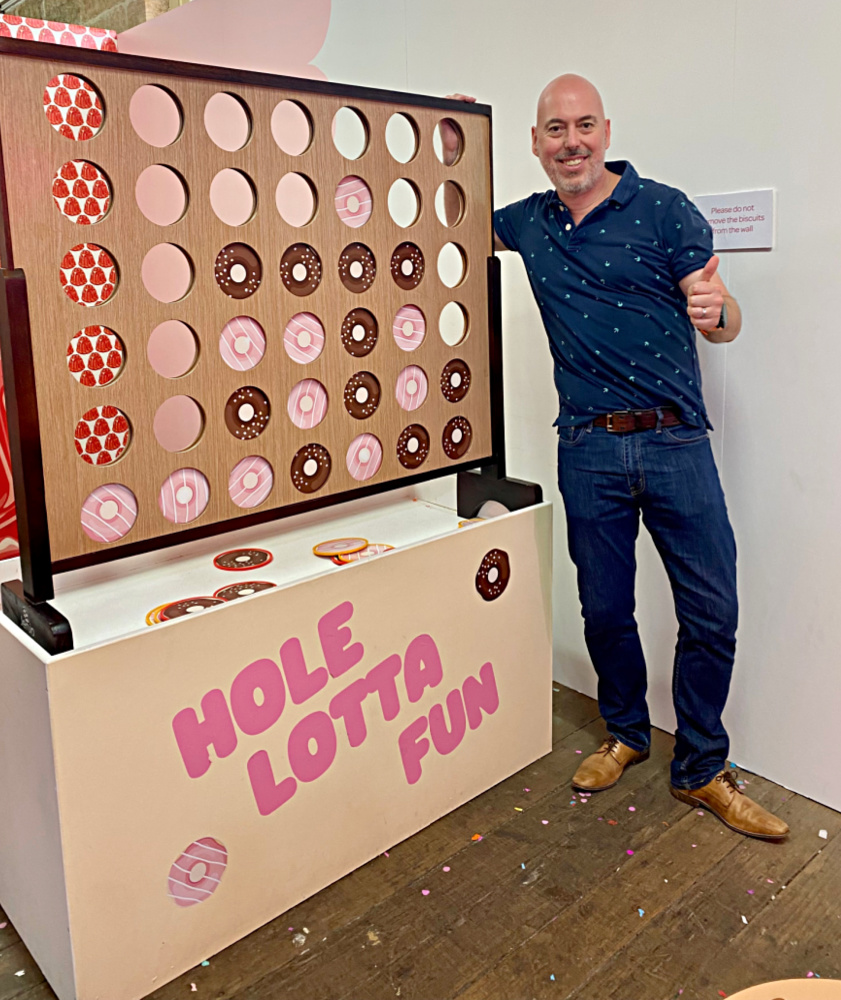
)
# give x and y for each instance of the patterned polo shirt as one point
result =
(609, 296)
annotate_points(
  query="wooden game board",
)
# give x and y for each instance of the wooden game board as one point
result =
(39, 237)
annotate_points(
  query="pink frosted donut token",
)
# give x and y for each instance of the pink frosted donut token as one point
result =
(251, 481)
(242, 343)
(374, 549)
(307, 403)
(109, 513)
(412, 387)
(409, 328)
(364, 457)
(196, 874)
(353, 201)
(184, 496)
(88, 274)
(303, 339)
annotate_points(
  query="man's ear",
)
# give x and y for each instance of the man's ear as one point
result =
(534, 141)
(607, 133)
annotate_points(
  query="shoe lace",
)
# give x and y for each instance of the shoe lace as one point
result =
(729, 778)
(608, 746)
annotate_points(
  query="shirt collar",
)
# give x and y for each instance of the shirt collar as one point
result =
(628, 182)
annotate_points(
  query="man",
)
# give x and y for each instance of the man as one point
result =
(623, 272)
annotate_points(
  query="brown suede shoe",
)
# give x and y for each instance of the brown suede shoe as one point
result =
(723, 797)
(604, 768)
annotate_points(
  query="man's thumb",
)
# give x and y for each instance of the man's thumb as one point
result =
(710, 268)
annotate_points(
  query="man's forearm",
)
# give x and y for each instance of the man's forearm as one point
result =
(734, 324)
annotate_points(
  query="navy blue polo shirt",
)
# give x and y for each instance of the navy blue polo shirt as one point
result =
(609, 296)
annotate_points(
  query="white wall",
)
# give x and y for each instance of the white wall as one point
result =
(723, 96)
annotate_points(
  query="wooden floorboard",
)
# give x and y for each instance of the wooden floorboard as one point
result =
(547, 909)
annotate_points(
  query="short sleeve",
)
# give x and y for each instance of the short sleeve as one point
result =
(508, 222)
(689, 236)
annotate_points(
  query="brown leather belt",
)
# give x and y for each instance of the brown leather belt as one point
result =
(629, 421)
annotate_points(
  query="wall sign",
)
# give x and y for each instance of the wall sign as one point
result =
(743, 220)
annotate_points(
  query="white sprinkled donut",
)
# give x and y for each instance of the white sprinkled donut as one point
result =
(364, 457)
(412, 387)
(250, 482)
(409, 328)
(109, 513)
(307, 404)
(242, 343)
(353, 201)
(196, 874)
(303, 339)
(184, 496)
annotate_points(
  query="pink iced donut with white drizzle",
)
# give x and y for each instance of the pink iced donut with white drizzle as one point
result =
(196, 874)
(250, 482)
(303, 339)
(184, 496)
(353, 201)
(242, 343)
(412, 387)
(364, 457)
(409, 328)
(109, 513)
(307, 404)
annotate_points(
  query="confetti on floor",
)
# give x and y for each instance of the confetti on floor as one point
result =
(424, 892)
(446, 868)
(751, 892)
(612, 822)
(629, 851)
(194, 988)
(640, 911)
(632, 809)
(545, 822)
(205, 964)
(517, 809)
(552, 977)
(822, 834)
(22, 972)
(4, 925)
(744, 919)
(476, 837)
(700, 812)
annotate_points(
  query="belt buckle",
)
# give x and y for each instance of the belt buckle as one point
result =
(609, 420)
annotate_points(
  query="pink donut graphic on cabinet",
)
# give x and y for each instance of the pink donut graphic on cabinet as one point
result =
(303, 339)
(109, 513)
(364, 457)
(88, 275)
(412, 387)
(307, 404)
(81, 192)
(196, 874)
(409, 328)
(242, 343)
(353, 201)
(250, 482)
(184, 496)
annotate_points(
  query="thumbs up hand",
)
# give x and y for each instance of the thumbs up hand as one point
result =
(705, 297)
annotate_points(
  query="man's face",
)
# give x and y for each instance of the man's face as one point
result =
(570, 139)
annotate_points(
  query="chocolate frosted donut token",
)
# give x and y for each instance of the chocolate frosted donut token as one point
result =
(189, 606)
(412, 388)
(494, 574)
(242, 559)
(307, 404)
(409, 328)
(407, 266)
(455, 380)
(310, 468)
(236, 590)
(339, 547)
(359, 333)
(247, 413)
(362, 395)
(357, 268)
(238, 270)
(364, 457)
(457, 437)
(153, 616)
(303, 339)
(413, 446)
(300, 269)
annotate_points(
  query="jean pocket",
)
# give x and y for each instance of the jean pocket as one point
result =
(569, 437)
(684, 434)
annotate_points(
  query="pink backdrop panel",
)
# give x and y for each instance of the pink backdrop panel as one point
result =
(8, 524)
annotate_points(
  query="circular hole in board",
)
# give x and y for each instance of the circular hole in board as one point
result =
(404, 203)
(102, 435)
(88, 274)
(167, 272)
(350, 133)
(178, 423)
(292, 127)
(452, 265)
(296, 199)
(449, 204)
(73, 107)
(95, 356)
(227, 120)
(448, 141)
(242, 343)
(172, 349)
(156, 115)
(232, 197)
(453, 324)
(402, 137)
(82, 192)
(161, 194)
(353, 201)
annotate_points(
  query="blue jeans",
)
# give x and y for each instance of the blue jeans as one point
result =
(667, 476)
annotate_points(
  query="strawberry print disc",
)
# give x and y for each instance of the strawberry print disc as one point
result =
(82, 192)
(73, 107)
(102, 435)
(95, 356)
(88, 274)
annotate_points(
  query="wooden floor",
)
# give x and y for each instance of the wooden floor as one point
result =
(629, 896)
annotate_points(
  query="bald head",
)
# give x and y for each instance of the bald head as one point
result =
(573, 92)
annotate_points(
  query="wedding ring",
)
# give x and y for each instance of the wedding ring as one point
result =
(703, 310)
